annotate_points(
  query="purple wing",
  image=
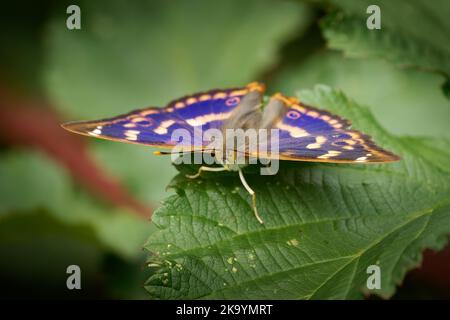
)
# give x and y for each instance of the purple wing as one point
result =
(154, 126)
(310, 134)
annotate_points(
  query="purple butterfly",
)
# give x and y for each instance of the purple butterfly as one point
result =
(304, 133)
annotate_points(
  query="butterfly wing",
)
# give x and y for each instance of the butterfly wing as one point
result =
(310, 134)
(154, 126)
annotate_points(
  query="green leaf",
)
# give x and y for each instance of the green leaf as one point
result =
(141, 172)
(324, 223)
(47, 224)
(390, 93)
(150, 52)
(401, 39)
(21, 52)
(30, 181)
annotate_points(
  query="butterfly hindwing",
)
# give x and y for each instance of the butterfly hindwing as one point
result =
(154, 126)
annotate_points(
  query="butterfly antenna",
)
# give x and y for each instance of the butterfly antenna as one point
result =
(165, 153)
(253, 194)
(162, 153)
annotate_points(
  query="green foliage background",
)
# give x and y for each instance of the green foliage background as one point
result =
(324, 223)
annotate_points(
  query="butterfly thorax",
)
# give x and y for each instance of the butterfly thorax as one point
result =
(241, 131)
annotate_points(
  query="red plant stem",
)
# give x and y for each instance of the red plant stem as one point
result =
(36, 125)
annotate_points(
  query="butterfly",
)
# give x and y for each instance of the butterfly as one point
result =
(304, 133)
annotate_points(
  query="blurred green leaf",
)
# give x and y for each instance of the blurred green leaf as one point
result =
(144, 174)
(31, 181)
(401, 39)
(21, 49)
(47, 224)
(403, 101)
(131, 55)
(324, 223)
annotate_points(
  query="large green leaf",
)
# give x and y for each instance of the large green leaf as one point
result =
(130, 55)
(401, 39)
(324, 223)
(403, 101)
(141, 172)
(30, 181)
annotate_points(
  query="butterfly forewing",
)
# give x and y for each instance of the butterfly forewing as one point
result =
(155, 126)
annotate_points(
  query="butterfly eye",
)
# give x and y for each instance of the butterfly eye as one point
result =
(231, 102)
(293, 115)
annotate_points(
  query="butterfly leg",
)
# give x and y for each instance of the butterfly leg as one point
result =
(203, 168)
(253, 194)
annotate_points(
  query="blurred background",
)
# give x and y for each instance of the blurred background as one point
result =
(69, 200)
